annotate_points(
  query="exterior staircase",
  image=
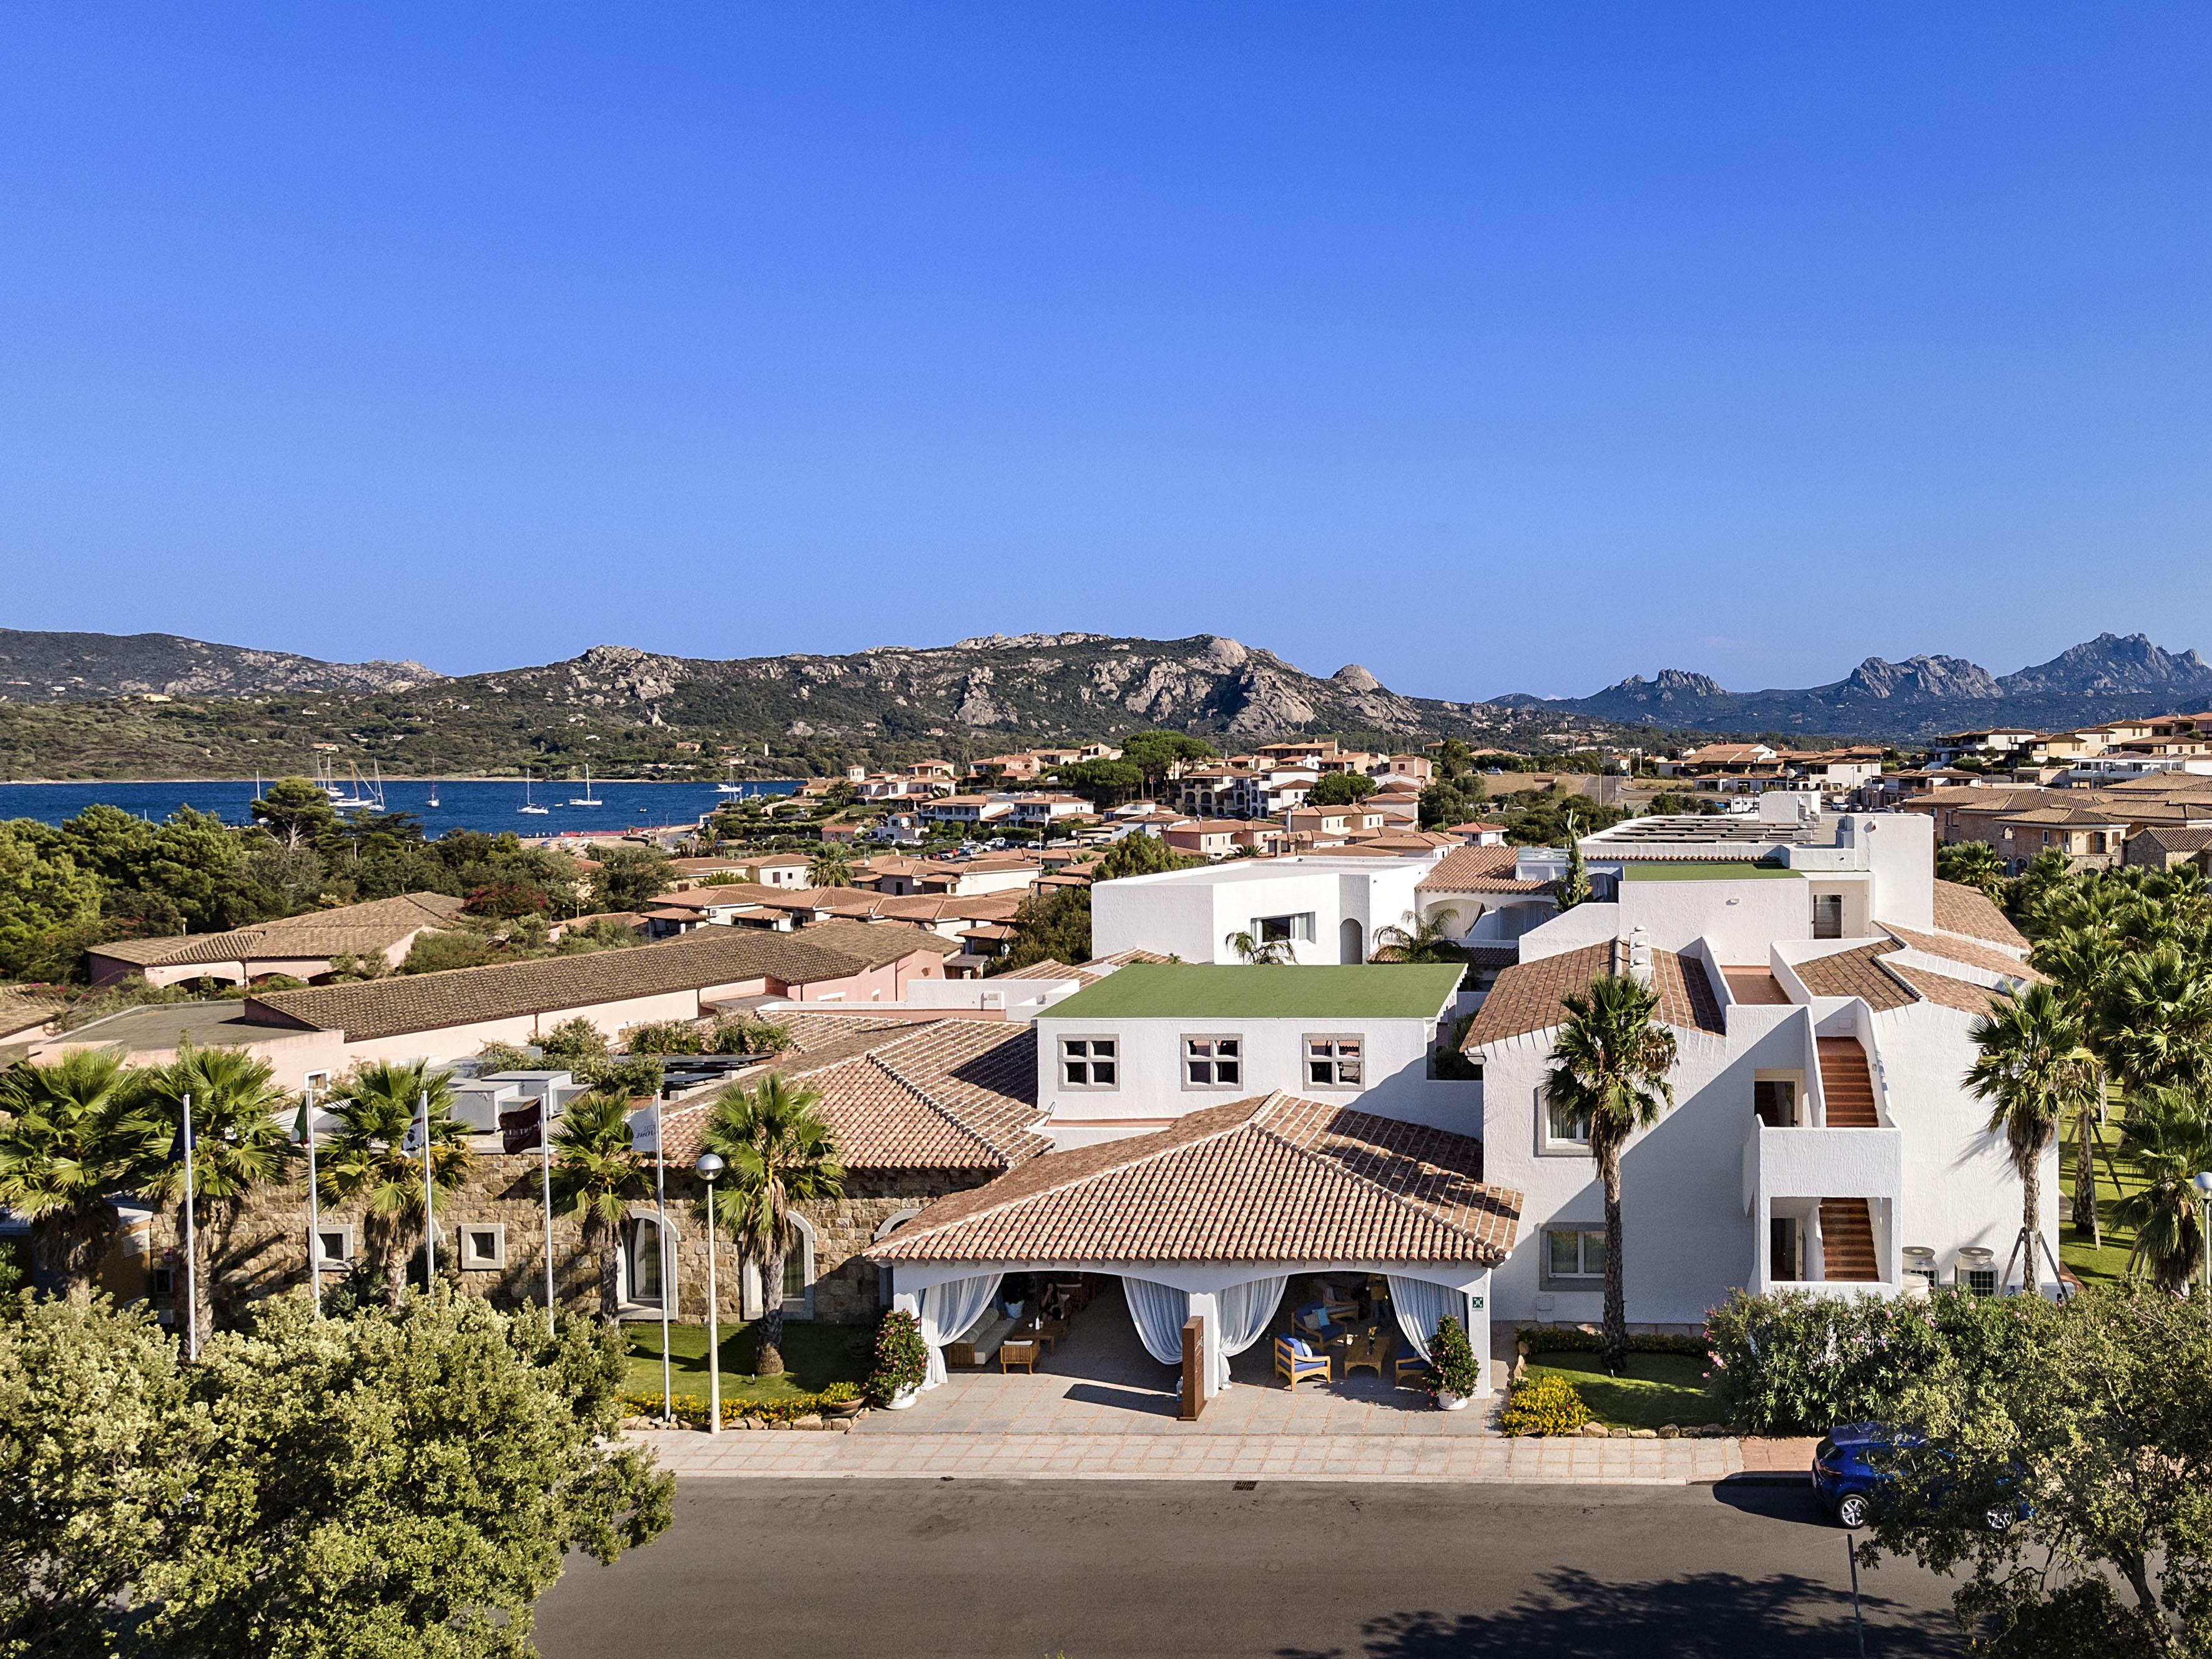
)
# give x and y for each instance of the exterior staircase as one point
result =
(1846, 1084)
(1847, 1239)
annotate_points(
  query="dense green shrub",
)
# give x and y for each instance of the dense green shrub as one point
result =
(1543, 1404)
(1451, 1358)
(1796, 1361)
(664, 1036)
(748, 1037)
(901, 1357)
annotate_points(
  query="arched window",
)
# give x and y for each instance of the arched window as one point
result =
(644, 1262)
(798, 1275)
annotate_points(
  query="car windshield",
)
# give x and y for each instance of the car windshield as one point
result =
(1825, 1450)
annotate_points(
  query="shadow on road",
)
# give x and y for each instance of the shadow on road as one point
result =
(1794, 1505)
(1576, 1616)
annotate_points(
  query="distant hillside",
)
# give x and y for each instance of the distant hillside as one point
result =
(2104, 678)
(45, 667)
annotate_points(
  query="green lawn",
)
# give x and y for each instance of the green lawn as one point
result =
(2091, 1264)
(1659, 1388)
(814, 1357)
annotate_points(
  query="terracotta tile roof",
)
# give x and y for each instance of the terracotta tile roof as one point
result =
(1050, 968)
(1274, 1178)
(22, 1009)
(1967, 910)
(349, 930)
(1479, 870)
(1958, 993)
(1528, 996)
(1855, 973)
(954, 1094)
(461, 996)
(2171, 840)
(875, 943)
(1954, 948)
(1123, 959)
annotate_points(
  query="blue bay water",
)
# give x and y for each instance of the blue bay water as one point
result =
(488, 804)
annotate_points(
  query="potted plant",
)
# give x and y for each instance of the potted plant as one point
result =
(839, 1400)
(1451, 1357)
(901, 1362)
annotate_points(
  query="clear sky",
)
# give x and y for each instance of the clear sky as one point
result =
(1495, 347)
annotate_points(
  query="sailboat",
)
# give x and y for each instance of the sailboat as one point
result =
(361, 799)
(588, 799)
(730, 786)
(528, 805)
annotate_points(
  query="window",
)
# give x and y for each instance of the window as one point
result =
(334, 1246)
(1332, 1062)
(162, 1281)
(1827, 916)
(1089, 1062)
(644, 1263)
(1212, 1062)
(483, 1244)
(1572, 1252)
(1284, 930)
(1563, 1125)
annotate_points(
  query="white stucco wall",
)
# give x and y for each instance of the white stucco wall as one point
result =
(1191, 914)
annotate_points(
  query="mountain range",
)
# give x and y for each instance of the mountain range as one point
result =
(2103, 678)
(978, 695)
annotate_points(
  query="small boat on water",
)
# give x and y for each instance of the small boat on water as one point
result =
(588, 799)
(529, 805)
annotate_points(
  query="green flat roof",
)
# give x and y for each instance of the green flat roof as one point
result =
(1709, 870)
(1215, 991)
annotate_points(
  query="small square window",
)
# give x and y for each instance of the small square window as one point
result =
(1563, 1125)
(483, 1244)
(333, 1246)
(1089, 1062)
(1333, 1062)
(1572, 1253)
(1212, 1062)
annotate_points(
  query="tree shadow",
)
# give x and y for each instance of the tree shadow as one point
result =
(1578, 1616)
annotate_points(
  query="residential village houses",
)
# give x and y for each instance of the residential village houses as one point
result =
(1173, 1113)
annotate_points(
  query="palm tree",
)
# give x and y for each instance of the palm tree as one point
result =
(239, 1141)
(1972, 863)
(75, 1136)
(1260, 953)
(2080, 961)
(777, 1151)
(368, 1157)
(2156, 1015)
(2167, 1138)
(596, 1171)
(1427, 940)
(2034, 1064)
(832, 867)
(1609, 1068)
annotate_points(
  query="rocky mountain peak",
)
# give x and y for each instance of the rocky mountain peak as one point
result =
(1921, 676)
(1353, 677)
(2114, 662)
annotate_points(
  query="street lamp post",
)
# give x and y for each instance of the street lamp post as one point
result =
(2202, 1183)
(708, 1166)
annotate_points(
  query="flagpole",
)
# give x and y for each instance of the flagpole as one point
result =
(667, 1264)
(429, 1201)
(192, 1272)
(314, 1215)
(545, 1177)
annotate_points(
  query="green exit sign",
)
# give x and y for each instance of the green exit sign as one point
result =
(1477, 1301)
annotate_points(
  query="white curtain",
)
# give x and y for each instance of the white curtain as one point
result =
(1245, 1312)
(947, 1310)
(1159, 1311)
(1422, 1306)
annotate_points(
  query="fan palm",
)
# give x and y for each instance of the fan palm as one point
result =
(75, 1136)
(776, 1152)
(1429, 940)
(2155, 1014)
(596, 1171)
(2080, 961)
(2169, 1141)
(831, 867)
(1972, 863)
(1250, 947)
(2034, 1066)
(367, 1156)
(1609, 1071)
(239, 1141)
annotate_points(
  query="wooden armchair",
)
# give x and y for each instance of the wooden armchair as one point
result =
(1020, 1354)
(1413, 1371)
(1296, 1363)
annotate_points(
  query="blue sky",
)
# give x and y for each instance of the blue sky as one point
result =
(1496, 347)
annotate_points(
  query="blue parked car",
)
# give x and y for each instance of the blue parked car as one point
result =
(1845, 1475)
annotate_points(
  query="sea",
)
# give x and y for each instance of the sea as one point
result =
(488, 804)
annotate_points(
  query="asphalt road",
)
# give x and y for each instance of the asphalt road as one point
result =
(1089, 1569)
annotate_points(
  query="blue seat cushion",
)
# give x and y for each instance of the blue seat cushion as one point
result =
(1301, 1348)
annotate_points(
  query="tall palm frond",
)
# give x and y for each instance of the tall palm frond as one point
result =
(596, 1172)
(75, 1135)
(777, 1153)
(367, 1160)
